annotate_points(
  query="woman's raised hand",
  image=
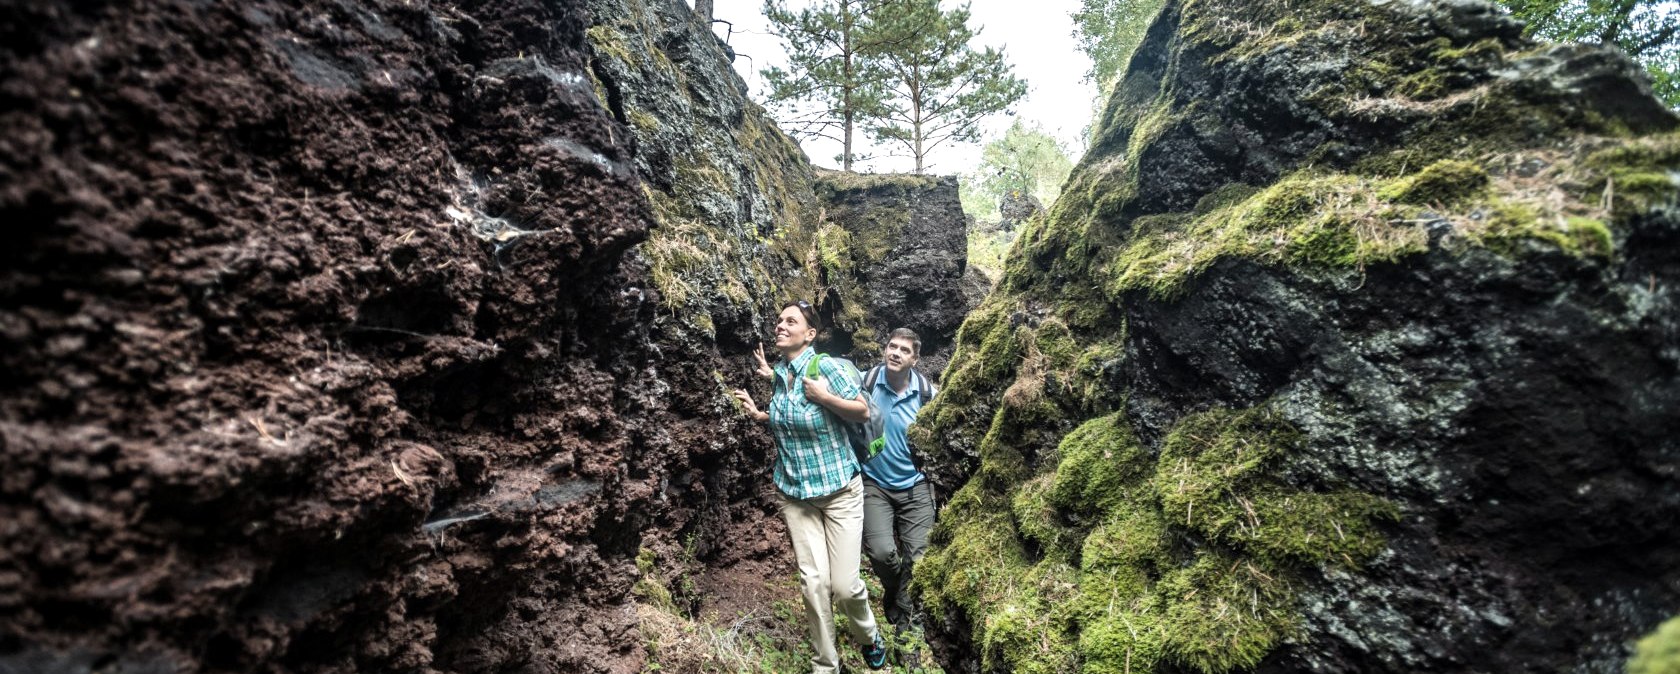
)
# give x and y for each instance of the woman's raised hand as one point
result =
(747, 404)
(763, 365)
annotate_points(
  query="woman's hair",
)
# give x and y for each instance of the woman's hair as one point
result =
(808, 311)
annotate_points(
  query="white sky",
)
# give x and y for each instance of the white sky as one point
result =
(1036, 36)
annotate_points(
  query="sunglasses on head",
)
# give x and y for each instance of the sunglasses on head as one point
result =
(802, 304)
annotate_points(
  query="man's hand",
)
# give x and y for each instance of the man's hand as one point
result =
(763, 365)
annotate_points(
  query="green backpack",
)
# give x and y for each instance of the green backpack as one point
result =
(858, 434)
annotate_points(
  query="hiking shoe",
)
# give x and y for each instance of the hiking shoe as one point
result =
(875, 654)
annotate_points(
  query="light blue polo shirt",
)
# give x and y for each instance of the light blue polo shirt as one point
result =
(892, 468)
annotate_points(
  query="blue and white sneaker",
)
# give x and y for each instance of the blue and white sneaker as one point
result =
(875, 654)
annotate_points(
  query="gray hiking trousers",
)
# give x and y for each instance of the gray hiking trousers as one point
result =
(895, 533)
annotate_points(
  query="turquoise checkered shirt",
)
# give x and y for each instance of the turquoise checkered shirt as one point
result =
(813, 457)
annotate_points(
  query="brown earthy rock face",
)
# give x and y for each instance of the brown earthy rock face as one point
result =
(317, 354)
(382, 336)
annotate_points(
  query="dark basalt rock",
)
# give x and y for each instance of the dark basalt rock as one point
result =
(903, 264)
(1508, 392)
(1016, 208)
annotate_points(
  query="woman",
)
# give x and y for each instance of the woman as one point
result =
(817, 476)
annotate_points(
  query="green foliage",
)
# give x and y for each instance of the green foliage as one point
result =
(977, 202)
(1109, 31)
(1659, 651)
(987, 249)
(831, 83)
(1646, 30)
(1025, 160)
(940, 86)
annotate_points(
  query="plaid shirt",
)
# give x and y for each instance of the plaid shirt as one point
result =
(813, 457)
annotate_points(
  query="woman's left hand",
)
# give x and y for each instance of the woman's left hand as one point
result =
(816, 390)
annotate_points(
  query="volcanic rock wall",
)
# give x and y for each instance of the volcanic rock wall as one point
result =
(745, 224)
(894, 255)
(376, 336)
(314, 329)
(1351, 346)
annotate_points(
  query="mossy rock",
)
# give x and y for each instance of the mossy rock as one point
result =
(1140, 597)
(1449, 182)
(1225, 614)
(1659, 651)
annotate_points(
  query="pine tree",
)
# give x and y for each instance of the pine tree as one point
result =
(940, 86)
(831, 82)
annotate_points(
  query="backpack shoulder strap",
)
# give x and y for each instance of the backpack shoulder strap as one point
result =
(813, 369)
(871, 377)
(926, 389)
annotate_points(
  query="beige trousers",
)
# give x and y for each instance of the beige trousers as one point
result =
(827, 537)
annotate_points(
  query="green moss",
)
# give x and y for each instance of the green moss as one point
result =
(1092, 380)
(1026, 632)
(976, 557)
(1447, 183)
(1592, 236)
(648, 587)
(1337, 528)
(1423, 85)
(1056, 343)
(1659, 651)
(1036, 518)
(1510, 224)
(607, 41)
(1141, 599)
(1123, 642)
(1132, 536)
(998, 350)
(1635, 176)
(1327, 244)
(644, 122)
(833, 249)
(1100, 463)
(1227, 195)
(1305, 218)
(1215, 474)
(1480, 51)
(1224, 614)
(1211, 454)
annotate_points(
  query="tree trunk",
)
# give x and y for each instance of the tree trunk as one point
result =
(846, 84)
(1618, 20)
(916, 115)
(917, 133)
(704, 9)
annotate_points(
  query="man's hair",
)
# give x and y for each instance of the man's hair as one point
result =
(908, 335)
(808, 311)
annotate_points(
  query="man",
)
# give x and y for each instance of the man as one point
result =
(897, 498)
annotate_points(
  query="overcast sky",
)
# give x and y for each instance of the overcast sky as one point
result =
(1036, 36)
